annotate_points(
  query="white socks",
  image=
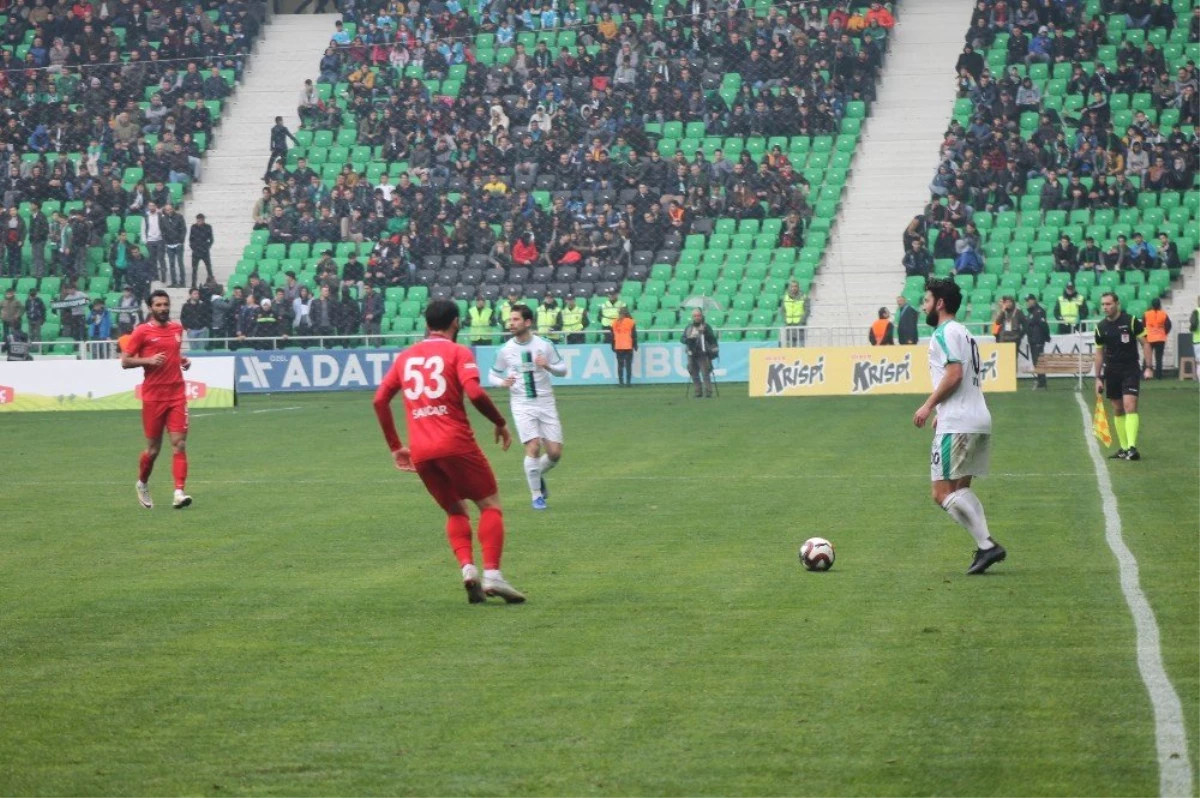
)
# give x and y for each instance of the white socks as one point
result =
(545, 463)
(965, 508)
(490, 574)
(533, 475)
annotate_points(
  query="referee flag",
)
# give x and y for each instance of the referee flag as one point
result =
(1100, 422)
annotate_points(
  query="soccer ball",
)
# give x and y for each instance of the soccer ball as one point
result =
(817, 554)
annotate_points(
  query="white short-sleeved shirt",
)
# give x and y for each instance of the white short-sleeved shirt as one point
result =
(516, 359)
(964, 410)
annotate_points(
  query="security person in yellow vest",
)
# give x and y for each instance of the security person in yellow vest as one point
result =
(481, 322)
(574, 321)
(794, 308)
(1071, 310)
(549, 320)
(504, 310)
(608, 312)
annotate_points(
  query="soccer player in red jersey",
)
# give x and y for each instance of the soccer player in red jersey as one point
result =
(156, 347)
(434, 375)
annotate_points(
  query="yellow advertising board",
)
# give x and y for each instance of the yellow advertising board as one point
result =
(866, 370)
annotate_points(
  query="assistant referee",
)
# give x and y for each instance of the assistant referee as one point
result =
(1118, 374)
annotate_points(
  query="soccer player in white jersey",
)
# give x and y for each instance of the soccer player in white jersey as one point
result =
(963, 426)
(524, 365)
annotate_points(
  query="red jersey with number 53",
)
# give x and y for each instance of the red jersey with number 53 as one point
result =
(431, 376)
(161, 383)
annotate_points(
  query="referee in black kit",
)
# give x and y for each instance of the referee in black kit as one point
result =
(1118, 373)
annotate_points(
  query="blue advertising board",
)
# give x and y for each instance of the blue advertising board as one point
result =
(364, 369)
(653, 363)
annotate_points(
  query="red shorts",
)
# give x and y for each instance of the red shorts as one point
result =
(450, 480)
(171, 415)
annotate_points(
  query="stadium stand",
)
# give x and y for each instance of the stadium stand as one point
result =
(107, 107)
(1072, 155)
(664, 150)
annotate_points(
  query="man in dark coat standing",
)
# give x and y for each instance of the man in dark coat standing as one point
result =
(907, 319)
(200, 239)
(1037, 330)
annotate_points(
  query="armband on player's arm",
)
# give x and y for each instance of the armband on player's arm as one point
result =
(383, 411)
(483, 403)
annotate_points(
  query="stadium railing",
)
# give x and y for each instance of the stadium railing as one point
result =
(807, 336)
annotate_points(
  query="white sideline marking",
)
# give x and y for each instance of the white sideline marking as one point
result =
(1174, 762)
(264, 410)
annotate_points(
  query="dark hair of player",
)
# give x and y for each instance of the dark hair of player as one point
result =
(947, 291)
(525, 311)
(1116, 299)
(154, 295)
(440, 314)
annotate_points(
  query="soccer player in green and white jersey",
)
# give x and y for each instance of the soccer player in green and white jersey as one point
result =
(963, 425)
(524, 365)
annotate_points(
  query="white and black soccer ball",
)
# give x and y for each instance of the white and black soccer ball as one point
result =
(817, 554)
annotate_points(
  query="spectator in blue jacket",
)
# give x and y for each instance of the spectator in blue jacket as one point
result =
(99, 330)
(1039, 48)
(1145, 256)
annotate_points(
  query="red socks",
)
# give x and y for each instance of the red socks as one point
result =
(179, 469)
(491, 538)
(145, 466)
(458, 532)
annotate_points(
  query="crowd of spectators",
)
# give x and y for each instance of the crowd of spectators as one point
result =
(105, 111)
(1072, 139)
(541, 166)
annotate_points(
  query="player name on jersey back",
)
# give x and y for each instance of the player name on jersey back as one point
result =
(430, 375)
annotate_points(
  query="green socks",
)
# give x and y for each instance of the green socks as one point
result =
(1122, 434)
(1132, 421)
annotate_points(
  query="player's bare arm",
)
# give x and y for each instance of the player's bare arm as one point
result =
(949, 384)
(1098, 368)
(185, 362)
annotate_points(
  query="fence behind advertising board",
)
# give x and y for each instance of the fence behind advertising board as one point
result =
(865, 370)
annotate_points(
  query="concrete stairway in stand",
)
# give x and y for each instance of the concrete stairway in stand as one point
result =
(891, 171)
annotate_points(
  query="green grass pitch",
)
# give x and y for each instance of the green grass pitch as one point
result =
(301, 629)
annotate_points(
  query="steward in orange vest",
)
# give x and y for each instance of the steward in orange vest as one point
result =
(1158, 327)
(882, 330)
(624, 344)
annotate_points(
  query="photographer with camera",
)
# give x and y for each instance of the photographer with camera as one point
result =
(701, 342)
